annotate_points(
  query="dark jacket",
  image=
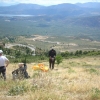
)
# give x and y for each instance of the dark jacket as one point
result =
(52, 53)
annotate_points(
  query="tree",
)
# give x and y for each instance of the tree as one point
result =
(85, 52)
(80, 52)
(76, 53)
(65, 54)
(17, 54)
(59, 59)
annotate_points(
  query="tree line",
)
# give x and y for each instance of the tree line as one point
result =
(24, 54)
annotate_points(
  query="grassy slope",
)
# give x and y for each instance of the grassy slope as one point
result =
(73, 79)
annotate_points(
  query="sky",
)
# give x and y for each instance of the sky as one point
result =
(47, 2)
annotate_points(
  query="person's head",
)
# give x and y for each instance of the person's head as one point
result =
(52, 49)
(20, 64)
(1, 52)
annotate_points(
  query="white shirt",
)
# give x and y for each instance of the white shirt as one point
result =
(3, 59)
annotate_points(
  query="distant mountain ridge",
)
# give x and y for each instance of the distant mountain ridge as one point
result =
(89, 5)
(63, 18)
(65, 9)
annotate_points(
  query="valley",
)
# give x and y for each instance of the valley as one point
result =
(61, 44)
(29, 31)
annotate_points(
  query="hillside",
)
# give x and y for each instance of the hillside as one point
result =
(76, 21)
(65, 9)
(73, 79)
(62, 19)
(50, 25)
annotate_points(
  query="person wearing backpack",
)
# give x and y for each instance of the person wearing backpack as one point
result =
(4, 62)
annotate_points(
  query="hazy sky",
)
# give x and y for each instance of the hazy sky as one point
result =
(47, 2)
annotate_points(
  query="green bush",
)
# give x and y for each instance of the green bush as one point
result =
(59, 59)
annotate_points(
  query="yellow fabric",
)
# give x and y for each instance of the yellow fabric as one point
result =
(41, 67)
(36, 67)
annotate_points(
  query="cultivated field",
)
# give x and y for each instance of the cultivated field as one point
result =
(73, 79)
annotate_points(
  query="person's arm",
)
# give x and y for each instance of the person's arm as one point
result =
(49, 54)
(54, 54)
(7, 63)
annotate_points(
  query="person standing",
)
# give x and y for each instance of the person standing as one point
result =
(4, 62)
(52, 55)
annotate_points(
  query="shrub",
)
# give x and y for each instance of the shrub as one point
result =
(19, 89)
(95, 94)
(59, 59)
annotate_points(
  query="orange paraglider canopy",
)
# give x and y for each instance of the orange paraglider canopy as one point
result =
(41, 67)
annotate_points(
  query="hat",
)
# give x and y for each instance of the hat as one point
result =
(1, 51)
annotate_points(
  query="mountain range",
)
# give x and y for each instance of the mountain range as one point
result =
(65, 9)
(62, 19)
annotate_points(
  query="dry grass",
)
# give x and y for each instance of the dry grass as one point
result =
(73, 79)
